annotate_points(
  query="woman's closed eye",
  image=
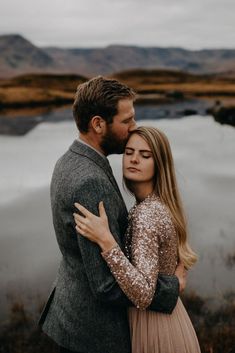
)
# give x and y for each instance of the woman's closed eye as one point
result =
(146, 156)
(128, 152)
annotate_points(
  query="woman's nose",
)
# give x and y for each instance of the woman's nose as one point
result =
(134, 158)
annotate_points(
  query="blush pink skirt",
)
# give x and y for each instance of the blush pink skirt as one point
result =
(153, 332)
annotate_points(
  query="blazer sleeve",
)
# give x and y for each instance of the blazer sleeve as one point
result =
(166, 294)
(102, 283)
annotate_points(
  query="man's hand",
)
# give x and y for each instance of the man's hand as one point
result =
(181, 274)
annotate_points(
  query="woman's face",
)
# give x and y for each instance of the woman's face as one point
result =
(138, 162)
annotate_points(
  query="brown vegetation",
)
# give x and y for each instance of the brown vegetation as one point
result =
(152, 86)
(215, 328)
(164, 81)
(24, 96)
(66, 83)
(21, 335)
(38, 90)
(230, 260)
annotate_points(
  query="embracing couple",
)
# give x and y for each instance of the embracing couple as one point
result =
(118, 283)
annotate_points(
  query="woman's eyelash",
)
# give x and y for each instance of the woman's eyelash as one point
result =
(129, 153)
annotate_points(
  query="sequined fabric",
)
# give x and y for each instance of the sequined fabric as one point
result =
(151, 248)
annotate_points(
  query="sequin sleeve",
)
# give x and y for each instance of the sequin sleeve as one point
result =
(138, 278)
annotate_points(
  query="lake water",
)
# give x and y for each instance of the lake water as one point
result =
(205, 163)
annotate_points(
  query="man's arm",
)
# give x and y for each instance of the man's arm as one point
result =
(102, 283)
(167, 290)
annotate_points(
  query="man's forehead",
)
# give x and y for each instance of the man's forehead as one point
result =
(125, 114)
(125, 103)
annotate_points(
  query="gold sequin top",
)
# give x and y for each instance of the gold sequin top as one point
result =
(151, 248)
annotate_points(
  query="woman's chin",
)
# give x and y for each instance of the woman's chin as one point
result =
(131, 177)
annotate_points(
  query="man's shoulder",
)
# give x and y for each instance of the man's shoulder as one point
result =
(70, 162)
(79, 170)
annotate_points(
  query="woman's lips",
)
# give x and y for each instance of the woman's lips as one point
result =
(132, 169)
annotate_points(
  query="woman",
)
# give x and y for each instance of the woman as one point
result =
(156, 240)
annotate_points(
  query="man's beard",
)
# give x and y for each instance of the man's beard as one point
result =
(111, 144)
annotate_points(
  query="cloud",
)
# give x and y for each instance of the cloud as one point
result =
(73, 23)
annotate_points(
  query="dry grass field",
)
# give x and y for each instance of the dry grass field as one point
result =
(38, 90)
(151, 85)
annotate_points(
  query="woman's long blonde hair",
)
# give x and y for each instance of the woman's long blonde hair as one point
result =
(165, 186)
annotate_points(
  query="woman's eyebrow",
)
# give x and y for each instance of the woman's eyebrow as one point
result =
(146, 151)
(132, 149)
(129, 148)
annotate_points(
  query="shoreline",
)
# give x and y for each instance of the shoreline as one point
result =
(18, 122)
(27, 100)
(39, 104)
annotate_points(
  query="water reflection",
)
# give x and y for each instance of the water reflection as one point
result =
(21, 122)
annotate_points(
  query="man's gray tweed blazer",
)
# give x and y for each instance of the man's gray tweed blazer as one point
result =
(86, 310)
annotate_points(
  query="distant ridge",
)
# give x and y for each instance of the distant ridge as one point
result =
(19, 56)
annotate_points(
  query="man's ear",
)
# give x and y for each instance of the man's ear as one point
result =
(98, 124)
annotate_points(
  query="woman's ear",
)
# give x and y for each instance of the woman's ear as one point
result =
(98, 124)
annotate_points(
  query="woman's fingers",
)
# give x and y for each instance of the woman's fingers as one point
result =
(80, 230)
(81, 225)
(102, 210)
(79, 218)
(82, 209)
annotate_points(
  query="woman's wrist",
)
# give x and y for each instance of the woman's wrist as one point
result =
(107, 242)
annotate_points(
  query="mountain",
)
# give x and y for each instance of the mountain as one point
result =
(19, 56)
(117, 58)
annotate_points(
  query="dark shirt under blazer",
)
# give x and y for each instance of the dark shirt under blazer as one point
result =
(86, 310)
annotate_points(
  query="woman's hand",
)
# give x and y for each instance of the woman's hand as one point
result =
(94, 228)
(181, 273)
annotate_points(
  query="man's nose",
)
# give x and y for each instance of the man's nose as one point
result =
(133, 126)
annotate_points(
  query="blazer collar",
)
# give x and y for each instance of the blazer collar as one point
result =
(84, 150)
(101, 161)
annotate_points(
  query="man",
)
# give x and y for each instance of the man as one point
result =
(87, 311)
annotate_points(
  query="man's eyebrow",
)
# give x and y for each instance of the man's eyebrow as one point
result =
(129, 118)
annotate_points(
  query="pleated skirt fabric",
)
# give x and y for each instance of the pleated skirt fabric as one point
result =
(153, 332)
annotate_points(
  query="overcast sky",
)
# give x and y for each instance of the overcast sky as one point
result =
(193, 24)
